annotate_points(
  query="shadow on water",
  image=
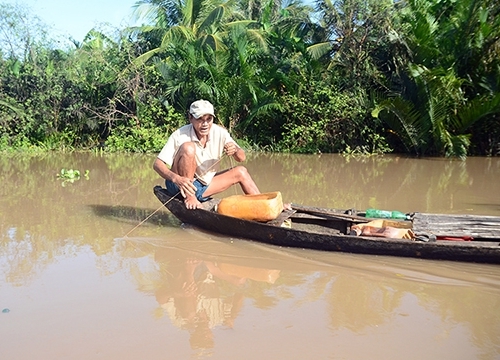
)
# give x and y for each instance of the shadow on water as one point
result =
(130, 214)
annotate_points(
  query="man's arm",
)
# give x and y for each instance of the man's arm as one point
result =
(231, 149)
(185, 185)
(162, 169)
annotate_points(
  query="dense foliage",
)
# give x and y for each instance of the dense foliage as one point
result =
(355, 76)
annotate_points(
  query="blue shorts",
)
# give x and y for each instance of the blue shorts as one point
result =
(173, 190)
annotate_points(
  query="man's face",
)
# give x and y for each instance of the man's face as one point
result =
(202, 125)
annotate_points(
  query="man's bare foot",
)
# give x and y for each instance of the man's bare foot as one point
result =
(192, 202)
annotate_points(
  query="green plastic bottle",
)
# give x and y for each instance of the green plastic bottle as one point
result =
(399, 215)
(385, 214)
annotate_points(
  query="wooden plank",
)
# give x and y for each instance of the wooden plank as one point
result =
(487, 227)
(281, 218)
(330, 213)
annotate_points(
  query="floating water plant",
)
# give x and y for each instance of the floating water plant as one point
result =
(71, 175)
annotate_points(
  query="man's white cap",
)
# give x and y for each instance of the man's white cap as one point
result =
(200, 108)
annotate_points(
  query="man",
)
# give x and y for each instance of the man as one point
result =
(189, 160)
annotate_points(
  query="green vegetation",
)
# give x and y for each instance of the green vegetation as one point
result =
(420, 77)
(71, 175)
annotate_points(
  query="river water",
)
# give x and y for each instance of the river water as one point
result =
(83, 277)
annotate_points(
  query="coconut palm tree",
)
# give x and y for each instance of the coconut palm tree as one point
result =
(198, 21)
(209, 49)
(192, 40)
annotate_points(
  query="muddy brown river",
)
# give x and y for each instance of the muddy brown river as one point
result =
(74, 286)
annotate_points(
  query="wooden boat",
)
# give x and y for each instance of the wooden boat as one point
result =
(330, 230)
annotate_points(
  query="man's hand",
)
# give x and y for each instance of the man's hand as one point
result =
(230, 149)
(185, 185)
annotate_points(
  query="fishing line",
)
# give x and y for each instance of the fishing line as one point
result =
(235, 190)
(154, 212)
(169, 200)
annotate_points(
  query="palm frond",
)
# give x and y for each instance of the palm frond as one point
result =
(404, 120)
(475, 110)
(177, 34)
(318, 50)
(458, 146)
(213, 19)
(142, 59)
(12, 106)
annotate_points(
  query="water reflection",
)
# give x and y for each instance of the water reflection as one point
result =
(204, 284)
(199, 295)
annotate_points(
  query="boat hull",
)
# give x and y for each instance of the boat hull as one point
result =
(468, 251)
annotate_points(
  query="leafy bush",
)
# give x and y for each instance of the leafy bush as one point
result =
(322, 119)
(146, 137)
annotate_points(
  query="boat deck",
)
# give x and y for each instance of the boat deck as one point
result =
(481, 227)
(478, 227)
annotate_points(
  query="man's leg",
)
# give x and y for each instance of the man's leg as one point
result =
(227, 178)
(184, 161)
(236, 175)
(185, 165)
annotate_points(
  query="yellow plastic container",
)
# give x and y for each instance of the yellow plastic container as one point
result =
(260, 207)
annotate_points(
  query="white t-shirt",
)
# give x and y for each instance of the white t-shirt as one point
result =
(206, 156)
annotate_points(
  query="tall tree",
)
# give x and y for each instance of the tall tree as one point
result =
(20, 32)
(349, 34)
